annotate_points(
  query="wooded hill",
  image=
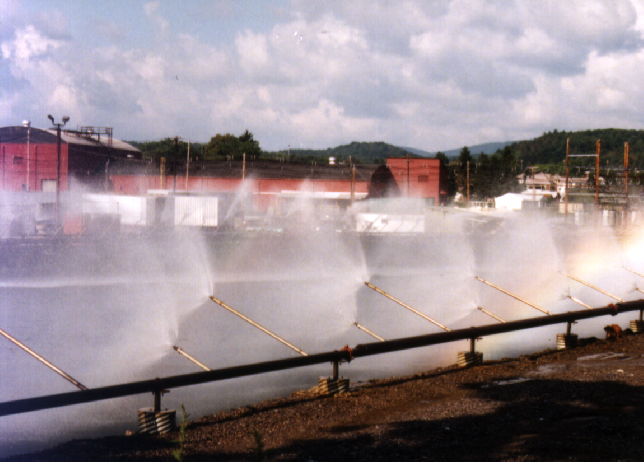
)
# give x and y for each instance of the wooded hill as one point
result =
(223, 147)
(547, 151)
(550, 148)
(359, 152)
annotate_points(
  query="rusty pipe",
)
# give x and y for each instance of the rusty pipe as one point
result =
(263, 329)
(191, 358)
(592, 286)
(382, 292)
(368, 331)
(513, 296)
(490, 314)
(43, 360)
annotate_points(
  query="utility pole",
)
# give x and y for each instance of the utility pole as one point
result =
(566, 187)
(597, 150)
(408, 177)
(353, 184)
(58, 136)
(187, 165)
(28, 156)
(468, 183)
(626, 153)
(174, 163)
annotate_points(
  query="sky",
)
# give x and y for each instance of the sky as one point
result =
(432, 75)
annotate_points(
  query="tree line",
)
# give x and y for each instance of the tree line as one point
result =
(489, 175)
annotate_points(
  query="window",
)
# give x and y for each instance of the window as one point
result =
(48, 185)
(423, 178)
(18, 160)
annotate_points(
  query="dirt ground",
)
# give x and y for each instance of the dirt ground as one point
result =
(585, 403)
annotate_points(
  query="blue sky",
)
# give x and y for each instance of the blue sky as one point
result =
(316, 74)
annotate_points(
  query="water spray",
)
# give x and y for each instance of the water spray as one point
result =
(263, 329)
(363, 328)
(490, 314)
(576, 300)
(382, 292)
(43, 360)
(592, 287)
(513, 296)
(191, 358)
(637, 325)
(464, 358)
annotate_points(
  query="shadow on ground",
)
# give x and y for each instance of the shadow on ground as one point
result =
(536, 420)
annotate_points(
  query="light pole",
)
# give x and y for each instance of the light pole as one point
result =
(58, 127)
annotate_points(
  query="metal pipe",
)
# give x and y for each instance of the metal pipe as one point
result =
(591, 286)
(579, 301)
(361, 327)
(491, 329)
(186, 355)
(369, 349)
(633, 271)
(43, 360)
(160, 384)
(513, 296)
(382, 292)
(263, 329)
(490, 314)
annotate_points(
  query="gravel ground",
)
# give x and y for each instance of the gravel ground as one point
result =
(581, 404)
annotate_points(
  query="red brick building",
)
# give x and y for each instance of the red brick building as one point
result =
(421, 178)
(29, 157)
(93, 158)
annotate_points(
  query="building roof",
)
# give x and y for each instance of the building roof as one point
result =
(21, 134)
(83, 139)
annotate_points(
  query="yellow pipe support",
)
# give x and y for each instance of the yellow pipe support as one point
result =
(592, 287)
(190, 358)
(490, 314)
(634, 272)
(43, 360)
(382, 292)
(368, 332)
(580, 302)
(263, 329)
(513, 296)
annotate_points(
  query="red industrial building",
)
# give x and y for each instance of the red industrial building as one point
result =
(92, 159)
(416, 177)
(91, 156)
(30, 157)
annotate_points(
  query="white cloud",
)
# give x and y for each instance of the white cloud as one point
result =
(152, 11)
(252, 50)
(433, 75)
(28, 44)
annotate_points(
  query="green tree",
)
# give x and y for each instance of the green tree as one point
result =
(443, 158)
(230, 147)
